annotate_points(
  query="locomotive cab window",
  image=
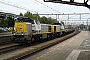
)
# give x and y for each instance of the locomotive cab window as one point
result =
(25, 20)
(57, 23)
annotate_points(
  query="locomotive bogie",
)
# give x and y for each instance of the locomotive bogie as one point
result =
(44, 36)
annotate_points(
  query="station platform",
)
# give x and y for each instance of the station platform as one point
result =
(74, 48)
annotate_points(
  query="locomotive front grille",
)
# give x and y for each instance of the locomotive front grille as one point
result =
(20, 27)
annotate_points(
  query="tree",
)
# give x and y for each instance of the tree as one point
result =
(44, 20)
(54, 21)
(49, 20)
(21, 14)
(3, 23)
(28, 14)
(36, 17)
(10, 22)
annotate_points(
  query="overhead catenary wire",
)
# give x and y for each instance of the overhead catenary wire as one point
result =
(8, 11)
(13, 5)
(47, 6)
(16, 6)
(50, 7)
(24, 8)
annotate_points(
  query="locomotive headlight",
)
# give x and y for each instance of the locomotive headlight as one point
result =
(22, 34)
(13, 33)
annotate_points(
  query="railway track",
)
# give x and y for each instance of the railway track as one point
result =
(5, 40)
(5, 43)
(6, 48)
(20, 53)
(11, 47)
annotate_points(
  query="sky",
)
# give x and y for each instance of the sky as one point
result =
(33, 5)
(41, 7)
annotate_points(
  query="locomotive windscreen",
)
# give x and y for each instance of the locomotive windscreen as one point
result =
(58, 24)
(24, 20)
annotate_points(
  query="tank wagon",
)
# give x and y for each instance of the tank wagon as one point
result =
(27, 30)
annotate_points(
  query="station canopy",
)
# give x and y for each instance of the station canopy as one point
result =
(71, 2)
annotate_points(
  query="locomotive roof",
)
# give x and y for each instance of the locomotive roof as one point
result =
(25, 18)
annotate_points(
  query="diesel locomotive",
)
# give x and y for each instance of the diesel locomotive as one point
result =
(27, 30)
